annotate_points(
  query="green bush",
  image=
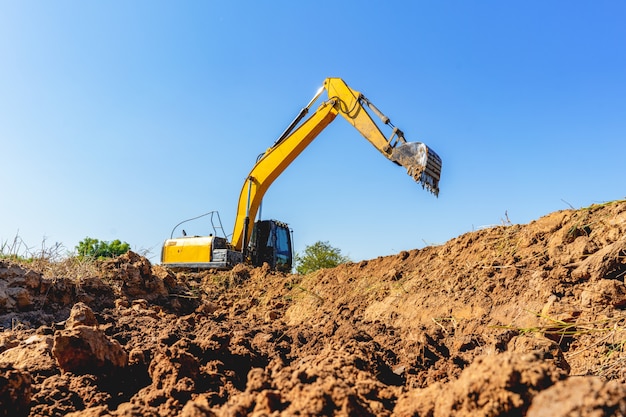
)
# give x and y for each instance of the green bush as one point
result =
(94, 248)
(317, 256)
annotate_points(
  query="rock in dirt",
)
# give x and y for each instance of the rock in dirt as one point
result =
(604, 292)
(133, 274)
(15, 391)
(60, 395)
(498, 385)
(33, 354)
(16, 287)
(581, 396)
(83, 348)
(608, 262)
(81, 314)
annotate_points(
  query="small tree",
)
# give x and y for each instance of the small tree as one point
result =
(94, 248)
(317, 256)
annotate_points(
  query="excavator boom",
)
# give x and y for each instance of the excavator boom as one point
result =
(269, 166)
(421, 162)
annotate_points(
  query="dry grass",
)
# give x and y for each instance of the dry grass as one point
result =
(607, 336)
(52, 261)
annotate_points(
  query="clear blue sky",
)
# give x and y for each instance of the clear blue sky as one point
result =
(118, 119)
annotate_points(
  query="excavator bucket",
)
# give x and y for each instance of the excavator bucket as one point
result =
(421, 163)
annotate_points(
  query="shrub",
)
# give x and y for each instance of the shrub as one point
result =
(94, 248)
(317, 256)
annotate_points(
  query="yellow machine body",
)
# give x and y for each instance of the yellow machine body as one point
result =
(199, 252)
(187, 249)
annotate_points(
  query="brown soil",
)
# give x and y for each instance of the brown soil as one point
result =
(517, 320)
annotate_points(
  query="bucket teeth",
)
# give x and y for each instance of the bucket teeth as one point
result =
(421, 163)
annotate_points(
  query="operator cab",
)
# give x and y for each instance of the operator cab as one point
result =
(271, 243)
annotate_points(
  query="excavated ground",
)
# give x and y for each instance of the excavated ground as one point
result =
(517, 320)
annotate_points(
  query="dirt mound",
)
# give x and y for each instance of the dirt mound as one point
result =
(510, 320)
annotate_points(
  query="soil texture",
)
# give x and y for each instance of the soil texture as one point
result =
(511, 320)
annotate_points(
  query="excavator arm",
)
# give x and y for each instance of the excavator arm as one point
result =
(423, 164)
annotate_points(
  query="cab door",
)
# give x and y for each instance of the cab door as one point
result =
(271, 244)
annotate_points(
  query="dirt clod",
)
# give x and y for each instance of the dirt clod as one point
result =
(15, 391)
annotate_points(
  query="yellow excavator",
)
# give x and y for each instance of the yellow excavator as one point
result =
(269, 241)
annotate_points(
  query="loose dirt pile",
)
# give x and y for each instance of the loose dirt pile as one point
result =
(520, 320)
